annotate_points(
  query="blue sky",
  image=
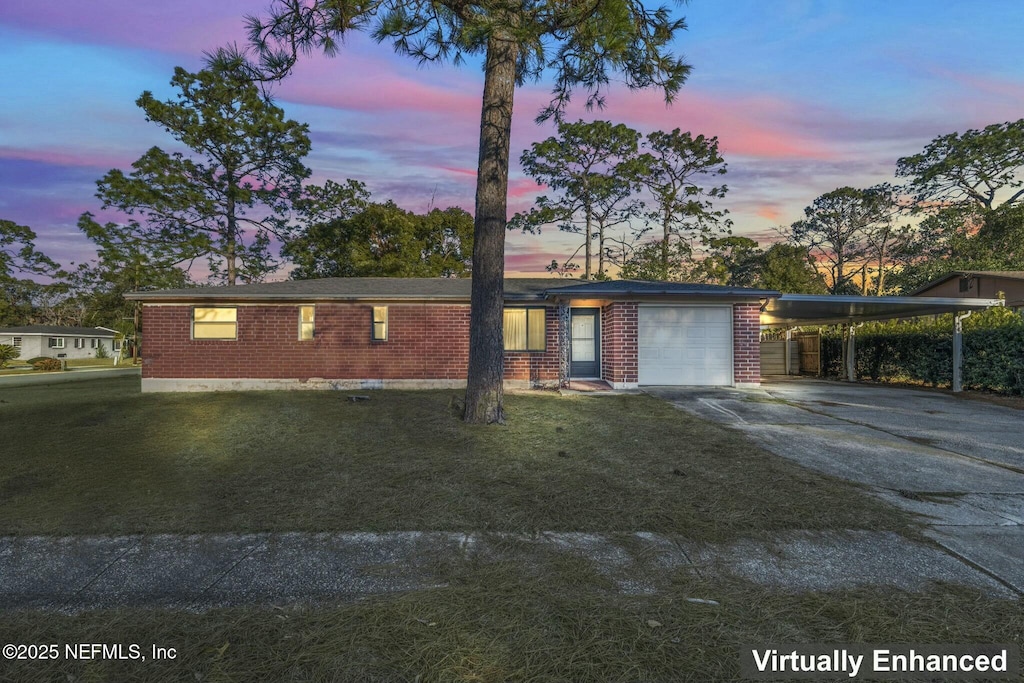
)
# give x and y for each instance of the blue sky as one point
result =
(804, 97)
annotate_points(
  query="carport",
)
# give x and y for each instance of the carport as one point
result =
(793, 310)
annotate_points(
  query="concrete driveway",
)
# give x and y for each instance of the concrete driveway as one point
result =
(957, 462)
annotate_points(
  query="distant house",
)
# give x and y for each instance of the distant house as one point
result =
(983, 284)
(54, 341)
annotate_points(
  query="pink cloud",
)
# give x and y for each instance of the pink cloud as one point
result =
(523, 187)
(65, 157)
(365, 79)
(533, 265)
(460, 171)
(753, 125)
(184, 26)
(770, 213)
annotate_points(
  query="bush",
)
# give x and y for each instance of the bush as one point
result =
(101, 351)
(921, 350)
(33, 361)
(47, 365)
(7, 354)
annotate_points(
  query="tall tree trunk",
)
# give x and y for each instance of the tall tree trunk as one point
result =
(880, 282)
(838, 280)
(600, 249)
(484, 391)
(666, 233)
(589, 240)
(229, 249)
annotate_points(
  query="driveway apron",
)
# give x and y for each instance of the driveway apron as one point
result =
(957, 463)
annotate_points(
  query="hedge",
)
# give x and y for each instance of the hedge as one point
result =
(921, 350)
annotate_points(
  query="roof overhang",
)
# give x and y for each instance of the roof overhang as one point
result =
(815, 309)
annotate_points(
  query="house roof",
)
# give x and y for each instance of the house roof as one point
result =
(397, 289)
(57, 329)
(1004, 274)
(656, 288)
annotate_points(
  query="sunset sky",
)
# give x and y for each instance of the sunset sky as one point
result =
(803, 96)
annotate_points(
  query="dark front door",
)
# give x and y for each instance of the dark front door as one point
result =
(586, 343)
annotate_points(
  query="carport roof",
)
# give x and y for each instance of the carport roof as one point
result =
(824, 309)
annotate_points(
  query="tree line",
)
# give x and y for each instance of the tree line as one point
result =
(659, 192)
(643, 207)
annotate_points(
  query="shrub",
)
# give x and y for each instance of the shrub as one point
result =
(101, 351)
(7, 354)
(47, 365)
(921, 350)
(33, 361)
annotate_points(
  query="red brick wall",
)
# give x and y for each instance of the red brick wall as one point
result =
(425, 341)
(746, 350)
(619, 342)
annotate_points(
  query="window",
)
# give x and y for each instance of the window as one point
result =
(306, 315)
(525, 329)
(92, 343)
(79, 343)
(56, 342)
(115, 344)
(965, 284)
(380, 324)
(16, 342)
(214, 323)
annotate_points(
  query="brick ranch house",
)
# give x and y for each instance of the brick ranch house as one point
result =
(362, 333)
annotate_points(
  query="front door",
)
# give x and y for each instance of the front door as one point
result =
(586, 343)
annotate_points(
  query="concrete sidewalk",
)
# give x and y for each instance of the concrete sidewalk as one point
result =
(200, 572)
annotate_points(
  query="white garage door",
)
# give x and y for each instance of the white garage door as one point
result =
(685, 345)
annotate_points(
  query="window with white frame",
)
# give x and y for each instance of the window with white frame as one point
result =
(79, 342)
(55, 342)
(115, 344)
(379, 329)
(92, 343)
(306, 321)
(215, 322)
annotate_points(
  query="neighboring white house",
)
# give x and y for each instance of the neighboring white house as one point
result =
(53, 341)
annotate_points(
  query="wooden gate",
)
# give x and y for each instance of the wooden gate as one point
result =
(810, 352)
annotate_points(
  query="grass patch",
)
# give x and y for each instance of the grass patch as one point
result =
(493, 623)
(102, 458)
(18, 367)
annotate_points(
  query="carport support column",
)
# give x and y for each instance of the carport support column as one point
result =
(789, 340)
(851, 353)
(564, 335)
(958, 350)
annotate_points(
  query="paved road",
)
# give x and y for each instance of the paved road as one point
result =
(76, 375)
(959, 463)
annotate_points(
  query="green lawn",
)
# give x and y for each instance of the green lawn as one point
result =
(20, 367)
(101, 458)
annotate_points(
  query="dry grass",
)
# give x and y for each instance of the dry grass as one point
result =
(101, 458)
(495, 624)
